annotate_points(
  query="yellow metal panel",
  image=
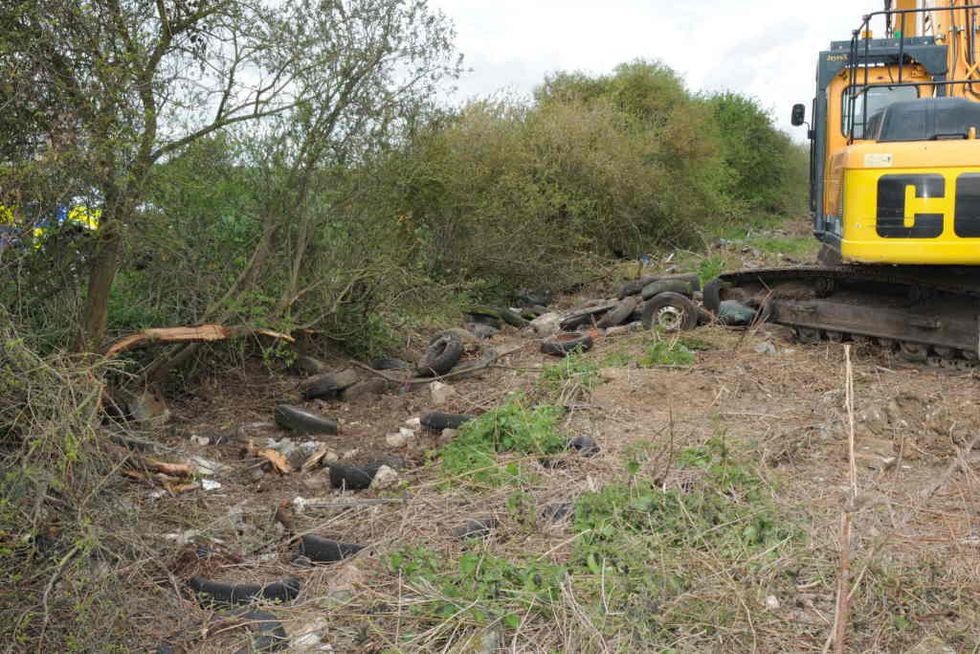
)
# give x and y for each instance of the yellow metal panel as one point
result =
(862, 243)
(909, 24)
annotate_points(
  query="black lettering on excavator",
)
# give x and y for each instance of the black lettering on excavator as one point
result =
(967, 221)
(893, 211)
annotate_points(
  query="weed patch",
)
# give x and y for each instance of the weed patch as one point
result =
(666, 353)
(510, 428)
(478, 588)
(657, 552)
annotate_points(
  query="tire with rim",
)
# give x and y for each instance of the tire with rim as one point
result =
(564, 344)
(712, 294)
(440, 357)
(671, 312)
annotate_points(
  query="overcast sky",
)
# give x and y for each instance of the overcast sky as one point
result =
(763, 48)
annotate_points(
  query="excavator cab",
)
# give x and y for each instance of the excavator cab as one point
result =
(895, 162)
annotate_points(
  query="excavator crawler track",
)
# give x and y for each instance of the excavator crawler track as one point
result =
(927, 314)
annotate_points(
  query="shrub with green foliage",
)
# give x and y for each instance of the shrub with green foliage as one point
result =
(767, 170)
(513, 428)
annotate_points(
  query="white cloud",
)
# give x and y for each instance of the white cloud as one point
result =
(763, 48)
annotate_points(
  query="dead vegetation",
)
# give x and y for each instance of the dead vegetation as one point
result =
(708, 521)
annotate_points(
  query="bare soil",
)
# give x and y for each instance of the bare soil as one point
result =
(776, 404)
(916, 552)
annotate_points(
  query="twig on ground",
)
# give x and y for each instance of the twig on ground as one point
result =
(958, 463)
(844, 591)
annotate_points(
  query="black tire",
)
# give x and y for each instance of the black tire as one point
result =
(480, 330)
(352, 477)
(584, 445)
(329, 385)
(437, 420)
(440, 357)
(221, 592)
(323, 550)
(302, 421)
(529, 298)
(533, 311)
(681, 285)
(670, 311)
(558, 511)
(634, 287)
(586, 315)
(474, 528)
(564, 344)
(385, 363)
(483, 319)
(712, 294)
(574, 322)
(620, 313)
(270, 635)
(512, 318)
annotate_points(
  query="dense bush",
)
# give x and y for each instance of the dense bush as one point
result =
(439, 209)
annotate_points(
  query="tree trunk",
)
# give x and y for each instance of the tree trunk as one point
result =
(105, 262)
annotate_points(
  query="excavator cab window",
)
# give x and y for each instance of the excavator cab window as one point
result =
(877, 98)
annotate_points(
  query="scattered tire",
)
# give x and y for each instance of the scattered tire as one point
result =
(480, 330)
(485, 316)
(620, 314)
(302, 421)
(270, 635)
(584, 445)
(512, 318)
(634, 287)
(564, 344)
(352, 477)
(329, 385)
(712, 294)
(440, 357)
(386, 363)
(530, 298)
(323, 550)
(671, 312)
(474, 528)
(552, 462)
(558, 511)
(437, 420)
(680, 285)
(221, 592)
(533, 311)
(586, 315)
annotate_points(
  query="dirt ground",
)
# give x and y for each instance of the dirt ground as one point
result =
(915, 554)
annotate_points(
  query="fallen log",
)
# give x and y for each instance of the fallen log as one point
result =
(197, 334)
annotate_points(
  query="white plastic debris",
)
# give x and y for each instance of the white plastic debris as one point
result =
(441, 393)
(210, 484)
(385, 477)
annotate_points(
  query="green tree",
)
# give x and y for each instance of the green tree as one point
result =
(134, 82)
(765, 166)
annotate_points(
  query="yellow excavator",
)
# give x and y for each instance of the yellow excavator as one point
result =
(894, 191)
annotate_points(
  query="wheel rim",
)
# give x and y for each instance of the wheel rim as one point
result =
(670, 318)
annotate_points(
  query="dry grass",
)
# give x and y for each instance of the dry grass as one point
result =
(781, 417)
